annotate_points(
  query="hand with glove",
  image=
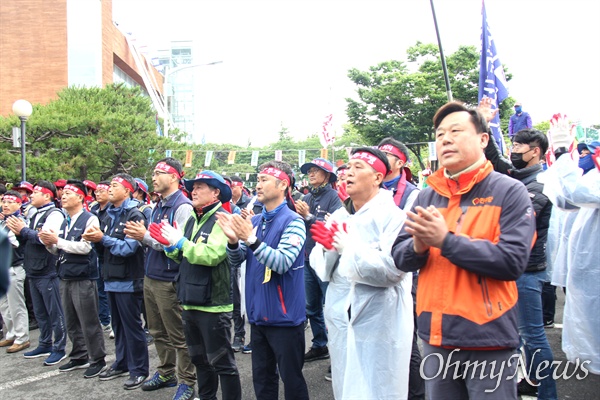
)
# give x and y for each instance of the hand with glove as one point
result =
(322, 235)
(156, 233)
(560, 134)
(173, 235)
(341, 190)
(340, 237)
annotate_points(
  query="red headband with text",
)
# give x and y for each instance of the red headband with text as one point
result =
(277, 173)
(43, 190)
(389, 148)
(163, 166)
(74, 189)
(370, 159)
(102, 186)
(236, 183)
(123, 182)
(11, 197)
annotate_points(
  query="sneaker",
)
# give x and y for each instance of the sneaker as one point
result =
(107, 328)
(317, 353)
(38, 352)
(55, 357)
(549, 324)
(159, 381)
(33, 325)
(74, 364)
(149, 338)
(238, 344)
(328, 375)
(16, 347)
(247, 349)
(111, 373)
(95, 369)
(524, 388)
(111, 335)
(134, 382)
(184, 392)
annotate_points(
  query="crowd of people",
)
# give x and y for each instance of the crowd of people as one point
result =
(371, 263)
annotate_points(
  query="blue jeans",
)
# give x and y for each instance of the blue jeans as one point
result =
(315, 297)
(103, 309)
(533, 336)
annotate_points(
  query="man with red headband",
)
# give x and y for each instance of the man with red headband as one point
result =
(78, 271)
(470, 234)
(405, 193)
(204, 285)
(368, 307)
(12, 305)
(40, 267)
(123, 281)
(99, 208)
(26, 189)
(60, 184)
(273, 247)
(160, 297)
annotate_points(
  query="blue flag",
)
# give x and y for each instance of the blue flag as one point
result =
(492, 82)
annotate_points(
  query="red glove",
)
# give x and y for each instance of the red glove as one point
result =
(155, 232)
(322, 235)
(341, 190)
(596, 157)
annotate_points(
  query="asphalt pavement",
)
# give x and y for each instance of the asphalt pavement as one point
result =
(23, 379)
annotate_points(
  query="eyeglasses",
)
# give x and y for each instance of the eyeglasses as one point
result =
(519, 146)
(158, 173)
(313, 170)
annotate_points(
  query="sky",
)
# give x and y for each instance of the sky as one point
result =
(285, 62)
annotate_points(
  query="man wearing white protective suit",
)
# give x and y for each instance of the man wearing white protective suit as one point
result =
(368, 306)
(577, 183)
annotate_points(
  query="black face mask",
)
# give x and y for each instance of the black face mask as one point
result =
(517, 160)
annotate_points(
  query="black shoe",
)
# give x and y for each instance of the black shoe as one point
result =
(33, 325)
(74, 364)
(524, 388)
(238, 344)
(328, 375)
(549, 324)
(95, 369)
(317, 353)
(149, 338)
(112, 374)
(134, 382)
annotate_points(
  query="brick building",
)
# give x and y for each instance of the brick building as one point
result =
(47, 45)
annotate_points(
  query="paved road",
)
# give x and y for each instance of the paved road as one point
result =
(29, 379)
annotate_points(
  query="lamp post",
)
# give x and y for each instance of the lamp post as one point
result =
(22, 109)
(167, 89)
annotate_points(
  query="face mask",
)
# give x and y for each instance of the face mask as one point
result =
(518, 110)
(517, 160)
(586, 163)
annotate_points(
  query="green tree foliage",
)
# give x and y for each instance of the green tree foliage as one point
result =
(86, 133)
(399, 99)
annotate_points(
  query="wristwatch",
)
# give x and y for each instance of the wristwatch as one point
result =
(251, 240)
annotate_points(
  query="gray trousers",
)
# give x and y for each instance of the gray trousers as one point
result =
(13, 308)
(469, 374)
(80, 304)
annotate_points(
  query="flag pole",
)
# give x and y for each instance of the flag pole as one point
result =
(444, 67)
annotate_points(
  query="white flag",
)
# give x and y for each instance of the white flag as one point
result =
(301, 157)
(254, 159)
(208, 158)
(278, 155)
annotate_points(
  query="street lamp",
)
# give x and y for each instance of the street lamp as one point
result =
(167, 89)
(22, 109)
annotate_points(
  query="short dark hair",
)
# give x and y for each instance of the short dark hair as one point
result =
(532, 137)
(396, 143)
(129, 180)
(236, 178)
(377, 153)
(48, 185)
(341, 167)
(13, 193)
(2, 188)
(107, 183)
(283, 166)
(173, 163)
(477, 118)
(79, 184)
